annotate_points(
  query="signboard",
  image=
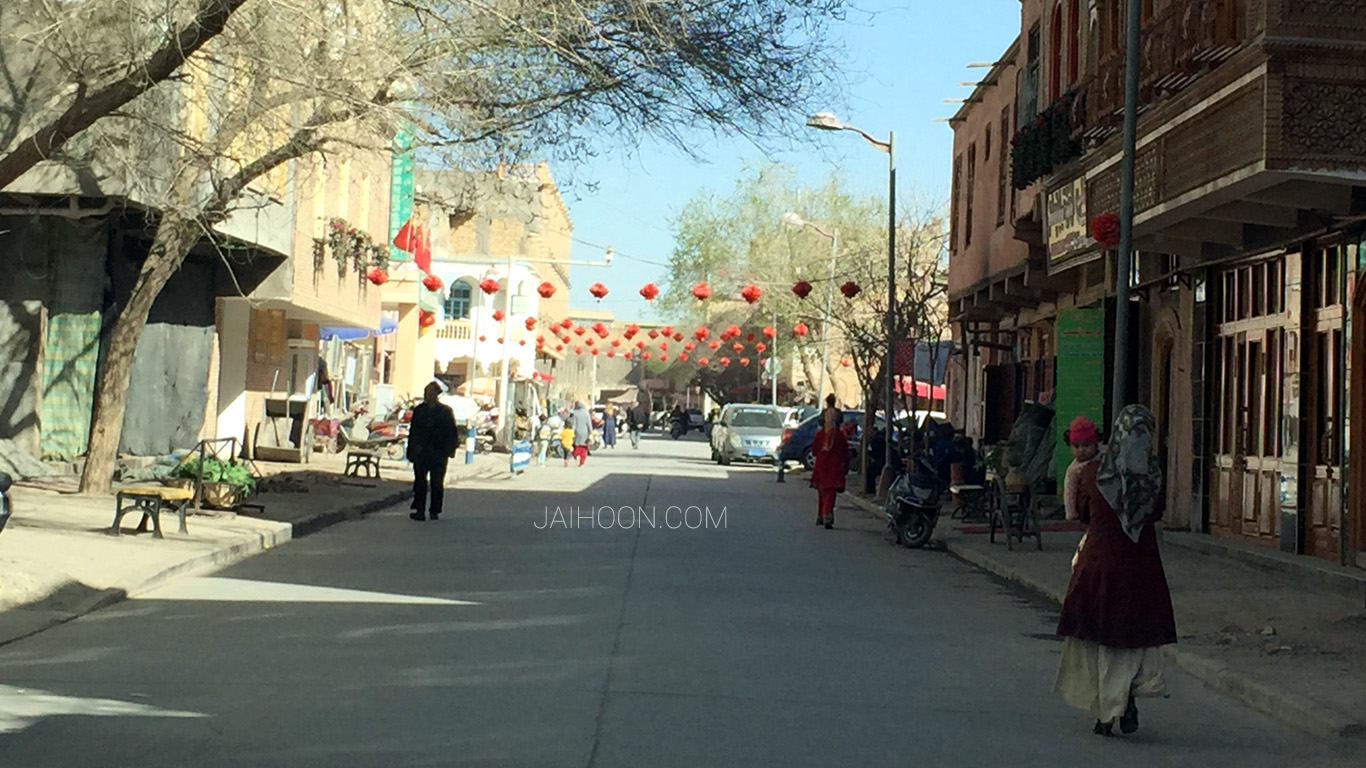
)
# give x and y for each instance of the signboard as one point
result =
(521, 455)
(1066, 216)
(400, 190)
(1080, 388)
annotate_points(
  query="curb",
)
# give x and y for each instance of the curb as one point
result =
(1267, 699)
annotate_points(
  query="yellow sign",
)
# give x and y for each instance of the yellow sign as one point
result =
(1067, 235)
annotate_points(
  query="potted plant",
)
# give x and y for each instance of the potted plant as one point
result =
(225, 484)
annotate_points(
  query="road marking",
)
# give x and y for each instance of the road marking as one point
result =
(217, 589)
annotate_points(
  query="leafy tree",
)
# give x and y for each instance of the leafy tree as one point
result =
(479, 79)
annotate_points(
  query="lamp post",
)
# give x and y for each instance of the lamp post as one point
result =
(826, 121)
(1124, 266)
(795, 220)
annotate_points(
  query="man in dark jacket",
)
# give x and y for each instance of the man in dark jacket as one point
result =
(432, 438)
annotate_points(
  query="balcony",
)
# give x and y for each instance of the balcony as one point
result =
(1178, 45)
(455, 330)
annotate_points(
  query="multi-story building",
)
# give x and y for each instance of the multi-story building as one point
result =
(1249, 213)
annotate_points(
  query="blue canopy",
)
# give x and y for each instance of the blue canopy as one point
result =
(348, 333)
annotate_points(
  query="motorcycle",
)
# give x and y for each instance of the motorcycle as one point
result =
(5, 482)
(676, 429)
(912, 508)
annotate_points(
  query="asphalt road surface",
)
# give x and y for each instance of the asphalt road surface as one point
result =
(736, 633)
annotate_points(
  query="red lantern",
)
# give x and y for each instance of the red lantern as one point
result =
(738, 347)
(749, 337)
(703, 361)
(377, 276)
(760, 347)
(578, 350)
(598, 290)
(724, 361)
(751, 293)
(802, 289)
(701, 333)
(540, 339)
(732, 331)
(566, 323)
(644, 355)
(640, 345)
(616, 342)
(426, 319)
(579, 330)
(653, 334)
(530, 323)
(432, 283)
(488, 285)
(744, 362)
(649, 291)
(678, 336)
(663, 345)
(701, 291)
(683, 356)
(590, 341)
(521, 342)
(689, 346)
(498, 314)
(770, 331)
(667, 330)
(846, 362)
(594, 352)
(483, 338)
(800, 329)
(546, 290)
(631, 331)
(611, 353)
(1105, 229)
(850, 289)
(565, 338)
(500, 339)
(627, 354)
(713, 343)
(663, 358)
(559, 347)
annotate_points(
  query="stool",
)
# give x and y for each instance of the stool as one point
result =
(149, 499)
(362, 460)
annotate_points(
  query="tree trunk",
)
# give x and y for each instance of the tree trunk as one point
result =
(811, 368)
(174, 237)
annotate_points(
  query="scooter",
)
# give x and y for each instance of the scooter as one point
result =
(912, 508)
(676, 429)
(5, 482)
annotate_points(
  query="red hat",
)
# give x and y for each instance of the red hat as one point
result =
(1082, 430)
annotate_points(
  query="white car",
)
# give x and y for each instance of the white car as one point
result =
(745, 432)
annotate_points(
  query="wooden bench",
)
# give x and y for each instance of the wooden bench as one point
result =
(149, 500)
(356, 461)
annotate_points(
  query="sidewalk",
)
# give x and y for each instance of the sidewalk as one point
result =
(58, 562)
(1284, 634)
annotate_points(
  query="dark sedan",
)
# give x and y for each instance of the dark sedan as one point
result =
(797, 441)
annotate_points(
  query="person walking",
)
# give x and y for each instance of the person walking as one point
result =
(609, 426)
(1118, 610)
(634, 425)
(432, 439)
(544, 434)
(831, 450)
(581, 421)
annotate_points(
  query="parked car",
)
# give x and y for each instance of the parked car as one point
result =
(796, 445)
(747, 433)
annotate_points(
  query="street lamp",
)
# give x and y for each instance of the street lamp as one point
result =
(826, 121)
(793, 219)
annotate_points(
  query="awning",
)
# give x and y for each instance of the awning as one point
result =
(902, 386)
(349, 333)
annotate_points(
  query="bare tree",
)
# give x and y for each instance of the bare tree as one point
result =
(286, 79)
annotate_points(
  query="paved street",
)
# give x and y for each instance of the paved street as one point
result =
(755, 639)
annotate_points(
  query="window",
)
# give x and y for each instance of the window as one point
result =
(971, 189)
(1028, 86)
(1074, 43)
(953, 204)
(458, 301)
(1003, 169)
(986, 147)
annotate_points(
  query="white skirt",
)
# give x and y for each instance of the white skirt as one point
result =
(1100, 679)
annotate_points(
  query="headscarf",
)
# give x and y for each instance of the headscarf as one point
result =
(1129, 477)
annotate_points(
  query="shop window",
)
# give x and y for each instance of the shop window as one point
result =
(458, 301)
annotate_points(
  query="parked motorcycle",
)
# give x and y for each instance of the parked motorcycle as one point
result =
(912, 508)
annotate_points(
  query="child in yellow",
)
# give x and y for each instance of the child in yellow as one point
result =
(567, 442)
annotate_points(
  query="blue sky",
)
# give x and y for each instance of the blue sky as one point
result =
(904, 58)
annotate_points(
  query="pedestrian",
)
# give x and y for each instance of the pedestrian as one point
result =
(432, 438)
(609, 426)
(831, 450)
(634, 425)
(566, 442)
(877, 459)
(544, 433)
(1084, 440)
(1118, 611)
(582, 423)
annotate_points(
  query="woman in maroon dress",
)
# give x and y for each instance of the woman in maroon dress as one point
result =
(831, 450)
(1118, 610)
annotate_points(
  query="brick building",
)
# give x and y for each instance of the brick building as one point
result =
(1248, 231)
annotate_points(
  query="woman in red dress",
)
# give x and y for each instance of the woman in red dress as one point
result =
(1118, 610)
(831, 450)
